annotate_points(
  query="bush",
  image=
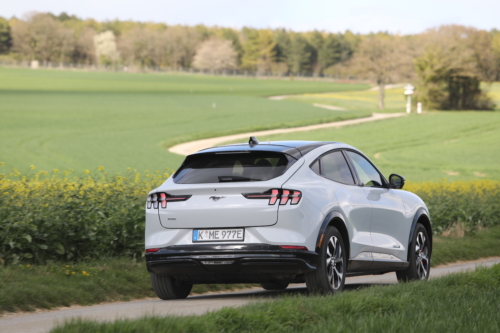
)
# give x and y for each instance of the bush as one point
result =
(58, 217)
(474, 204)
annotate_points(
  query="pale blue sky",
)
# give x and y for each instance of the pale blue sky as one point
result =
(334, 15)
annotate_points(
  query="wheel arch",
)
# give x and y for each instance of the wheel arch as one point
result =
(334, 219)
(423, 218)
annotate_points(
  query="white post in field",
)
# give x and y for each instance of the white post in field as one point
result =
(408, 92)
(419, 107)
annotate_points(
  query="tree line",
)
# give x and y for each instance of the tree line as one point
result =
(447, 63)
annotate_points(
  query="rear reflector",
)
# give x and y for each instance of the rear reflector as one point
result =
(277, 194)
(292, 247)
(152, 250)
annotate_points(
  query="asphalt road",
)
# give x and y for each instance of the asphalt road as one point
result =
(194, 305)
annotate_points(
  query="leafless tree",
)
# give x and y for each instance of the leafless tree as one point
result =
(384, 59)
(84, 46)
(215, 54)
(43, 38)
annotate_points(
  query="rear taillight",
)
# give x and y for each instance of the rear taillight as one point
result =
(160, 199)
(277, 194)
(152, 250)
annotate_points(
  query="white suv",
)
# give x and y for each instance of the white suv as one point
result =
(282, 212)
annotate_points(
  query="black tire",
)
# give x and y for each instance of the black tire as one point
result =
(420, 257)
(280, 285)
(329, 277)
(167, 287)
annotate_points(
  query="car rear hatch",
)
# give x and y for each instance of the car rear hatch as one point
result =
(226, 189)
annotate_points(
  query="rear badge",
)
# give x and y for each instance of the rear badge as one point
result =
(218, 262)
(214, 198)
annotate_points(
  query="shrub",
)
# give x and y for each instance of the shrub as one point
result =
(58, 217)
(471, 203)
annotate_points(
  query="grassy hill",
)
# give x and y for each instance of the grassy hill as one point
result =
(82, 120)
(431, 146)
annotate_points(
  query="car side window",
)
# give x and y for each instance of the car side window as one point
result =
(334, 167)
(368, 175)
(315, 167)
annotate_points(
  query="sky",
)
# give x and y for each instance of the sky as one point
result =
(360, 16)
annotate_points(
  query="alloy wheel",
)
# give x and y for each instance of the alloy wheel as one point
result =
(334, 263)
(421, 253)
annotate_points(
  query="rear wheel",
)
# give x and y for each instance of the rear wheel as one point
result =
(420, 258)
(167, 287)
(329, 277)
(274, 285)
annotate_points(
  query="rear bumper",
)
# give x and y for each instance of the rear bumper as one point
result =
(231, 263)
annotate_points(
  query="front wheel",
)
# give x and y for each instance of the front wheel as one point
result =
(329, 277)
(166, 287)
(420, 257)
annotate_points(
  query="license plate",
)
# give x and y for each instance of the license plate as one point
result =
(218, 235)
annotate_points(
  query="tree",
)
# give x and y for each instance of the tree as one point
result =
(383, 58)
(105, 48)
(259, 50)
(179, 45)
(316, 41)
(282, 40)
(299, 54)
(215, 54)
(139, 45)
(84, 51)
(41, 37)
(5, 36)
(330, 52)
(450, 71)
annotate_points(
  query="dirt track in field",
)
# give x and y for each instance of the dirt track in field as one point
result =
(194, 146)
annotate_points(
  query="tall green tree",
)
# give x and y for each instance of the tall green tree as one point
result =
(250, 49)
(5, 36)
(299, 54)
(330, 52)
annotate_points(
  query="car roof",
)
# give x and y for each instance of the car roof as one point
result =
(296, 149)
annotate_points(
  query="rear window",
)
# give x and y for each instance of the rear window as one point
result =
(233, 167)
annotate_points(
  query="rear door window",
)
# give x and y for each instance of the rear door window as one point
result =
(238, 166)
(334, 167)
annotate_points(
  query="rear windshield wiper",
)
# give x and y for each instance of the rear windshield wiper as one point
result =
(223, 179)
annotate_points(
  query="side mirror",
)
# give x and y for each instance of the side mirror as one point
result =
(396, 181)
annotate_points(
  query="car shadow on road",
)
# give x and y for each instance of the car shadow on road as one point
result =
(266, 294)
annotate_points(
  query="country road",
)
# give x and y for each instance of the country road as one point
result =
(193, 305)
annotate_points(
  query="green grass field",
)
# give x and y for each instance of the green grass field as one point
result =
(465, 302)
(81, 120)
(432, 146)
